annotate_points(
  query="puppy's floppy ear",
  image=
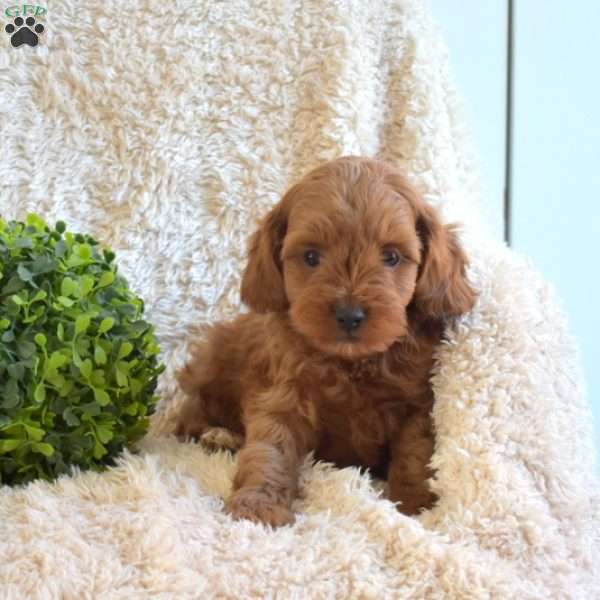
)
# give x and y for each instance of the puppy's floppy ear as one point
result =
(442, 288)
(262, 282)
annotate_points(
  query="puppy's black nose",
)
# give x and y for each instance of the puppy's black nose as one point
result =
(349, 318)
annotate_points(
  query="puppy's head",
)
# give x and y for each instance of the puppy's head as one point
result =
(351, 251)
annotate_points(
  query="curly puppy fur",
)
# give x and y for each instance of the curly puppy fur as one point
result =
(350, 279)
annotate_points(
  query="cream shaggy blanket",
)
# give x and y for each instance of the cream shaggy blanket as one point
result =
(166, 130)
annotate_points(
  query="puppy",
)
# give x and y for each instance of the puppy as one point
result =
(350, 280)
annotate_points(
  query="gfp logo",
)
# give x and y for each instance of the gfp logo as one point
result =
(24, 29)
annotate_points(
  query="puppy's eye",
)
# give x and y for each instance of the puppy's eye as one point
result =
(312, 258)
(390, 257)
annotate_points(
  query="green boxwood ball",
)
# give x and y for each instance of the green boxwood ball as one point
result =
(78, 364)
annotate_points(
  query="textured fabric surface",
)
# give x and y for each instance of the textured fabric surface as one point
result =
(165, 130)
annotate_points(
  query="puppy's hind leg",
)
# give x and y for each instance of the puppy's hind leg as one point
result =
(194, 379)
(192, 421)
(219, 438)
(211, 411)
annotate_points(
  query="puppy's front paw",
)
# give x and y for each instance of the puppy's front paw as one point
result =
(259, 508)
(415, 500)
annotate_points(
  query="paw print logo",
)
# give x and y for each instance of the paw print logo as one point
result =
(24, 32)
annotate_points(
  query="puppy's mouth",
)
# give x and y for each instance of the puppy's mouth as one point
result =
(353, 345)
(352, 338)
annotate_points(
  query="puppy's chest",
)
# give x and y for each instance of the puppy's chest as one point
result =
(360, 384)
(365, 373)
(357, 410)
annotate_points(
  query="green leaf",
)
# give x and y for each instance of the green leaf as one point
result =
(35, 315)
(66, 388)
(57, 360)
(60, 249)
(86, 285)
(84, 251)
(40, 393)
(10, 445)
(23, 242)
(101, 397)
(60, 226)
(70, 417)
(77, 359)
(4, 323)
(99, 450)
(41, 295)
(81, 324)
(123, 366)
(106, 279)
(75, 261)
(82, 346)
(137, 329)
(16, 370)
(40, 340)
(43, 448)
(86, 368)
(121, 377)
(24, 273)
(14, 284)
(68, 287)
(125, 350)
(18, 300)
(91, 409)
(55, 379)
(35, 221)
(104, 435)
(106, 325)
(34, 433)
(65, 301)
(25, 349)
(42, 265)
(10, 397)
(60, 332)
(97, 379)
(99, 355)
(136, 386)
(8, 336)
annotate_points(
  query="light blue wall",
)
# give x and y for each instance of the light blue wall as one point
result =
(556, 149)
(557, 160)
(475, 33)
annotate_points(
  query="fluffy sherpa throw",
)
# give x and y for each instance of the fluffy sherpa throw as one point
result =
(165, 129)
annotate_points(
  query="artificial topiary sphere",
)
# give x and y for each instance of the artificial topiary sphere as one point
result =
(78, 365)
